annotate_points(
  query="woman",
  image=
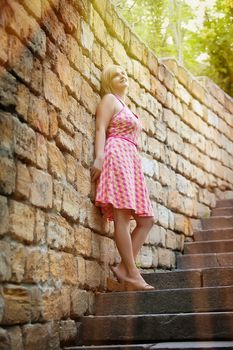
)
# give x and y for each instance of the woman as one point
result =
(121, 190)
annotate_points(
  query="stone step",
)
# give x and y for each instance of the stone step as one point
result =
(194, 261)
(217, 222)
(213, 234)
(187, 300)
(205, 277)
(227, 211)
(200, 345)
(153, 328)
(225, 246)
(223, 203)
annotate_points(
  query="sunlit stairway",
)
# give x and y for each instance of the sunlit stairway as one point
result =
(192, 307)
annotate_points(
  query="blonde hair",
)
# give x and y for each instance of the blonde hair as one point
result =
(106, 77)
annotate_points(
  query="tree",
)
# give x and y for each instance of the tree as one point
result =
(216, 41)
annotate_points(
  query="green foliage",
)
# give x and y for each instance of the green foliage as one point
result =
(217, 42)
(165, 26)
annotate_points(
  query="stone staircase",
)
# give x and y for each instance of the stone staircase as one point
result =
(192, 307)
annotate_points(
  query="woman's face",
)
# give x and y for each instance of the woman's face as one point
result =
(119, 80)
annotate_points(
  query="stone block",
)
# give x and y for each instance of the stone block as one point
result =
(135, 47)
(81, 270)
(8, 88)
(5, 261)
(56, 161)
(60, 234)
(87, 37)
(70, 202)
(183, 224)
(16, 340)
(83, 180)
(51, 24)
(34, 9)
(36, 336)
(64, 141)
(146, 257)
(71, 164)
(93, 274)
(41, 188)
(107, 250)
(83, 240)
(69, 271)
(158, 90)
(152, 63)
(171, 241)
(17, 301)
(41, 151)
(6, 132)
(69, 16)
(5, 339)
(79, 302)
(4, 46)
(24, 141)
(95, 245)
(163, 216)
(7, 175)
(20, 59)
(37, 266)
(57, 194)
(4, 215)
(21, 221)
(22, 101)
(51, 305)
(88, 97)
(18, 259)
(74, 53)
(23, 181)
(66, 301)
(54, 258)
(52, 88)
(37, 81)
(165, 258)
(98, 27)
(67, 331)
(63, 69)
(38, 114)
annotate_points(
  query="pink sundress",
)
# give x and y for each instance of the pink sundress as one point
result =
(121, 183)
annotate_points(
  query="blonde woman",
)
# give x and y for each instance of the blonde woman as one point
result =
(121, 190)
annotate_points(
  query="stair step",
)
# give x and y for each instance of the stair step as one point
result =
(213, 234)
(227, 211)
(209, 247)
(217, 222)
(190, 261)
(154, 328)
(205, 277)
(202, 299)
(223, 203)
(200, 345)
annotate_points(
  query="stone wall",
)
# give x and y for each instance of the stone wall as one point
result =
(55, 248)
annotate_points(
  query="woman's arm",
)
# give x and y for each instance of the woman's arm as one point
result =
(104, 112)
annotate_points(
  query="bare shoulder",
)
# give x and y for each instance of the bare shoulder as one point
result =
(108, 100)
(107, 104)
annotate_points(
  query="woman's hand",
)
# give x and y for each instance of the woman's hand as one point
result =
(96, 168)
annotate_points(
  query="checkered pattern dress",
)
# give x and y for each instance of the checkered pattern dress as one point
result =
(121, 183)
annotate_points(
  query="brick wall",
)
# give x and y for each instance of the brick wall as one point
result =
(55, 249)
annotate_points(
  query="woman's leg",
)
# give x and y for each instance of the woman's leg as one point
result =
(124, 245)
(138, 237)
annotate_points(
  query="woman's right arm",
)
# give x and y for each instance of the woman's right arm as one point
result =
(104, 112)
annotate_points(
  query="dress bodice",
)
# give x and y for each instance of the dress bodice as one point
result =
(126, 125)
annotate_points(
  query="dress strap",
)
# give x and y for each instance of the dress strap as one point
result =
(119, 100)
